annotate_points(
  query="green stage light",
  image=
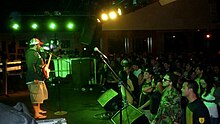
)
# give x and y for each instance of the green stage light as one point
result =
(34, 26)
(70, 25)
(15, 26)
(52, 26)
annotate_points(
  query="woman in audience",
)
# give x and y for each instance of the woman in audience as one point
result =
(209, 99)
(126, 89)
(147, 88)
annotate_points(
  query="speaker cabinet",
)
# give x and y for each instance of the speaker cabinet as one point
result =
(130, 115)
(77, 72)
(109, 100)
(81, 72)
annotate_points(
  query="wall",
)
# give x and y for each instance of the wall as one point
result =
(181, 14)
(186, 16)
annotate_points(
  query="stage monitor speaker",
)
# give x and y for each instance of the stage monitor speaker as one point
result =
(165, 2)
(130, 115)
(109, 100)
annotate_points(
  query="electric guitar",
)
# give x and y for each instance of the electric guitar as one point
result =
(45, 69)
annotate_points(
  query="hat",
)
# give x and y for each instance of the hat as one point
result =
(35, 41)
(124, 62)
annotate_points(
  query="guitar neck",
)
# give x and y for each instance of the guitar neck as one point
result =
(48, 63)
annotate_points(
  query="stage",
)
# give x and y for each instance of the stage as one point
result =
(81, 106)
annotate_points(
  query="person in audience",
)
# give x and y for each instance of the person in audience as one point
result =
(155, 65)
(196, 111)
(138, 72)
(126, 88)
(166, 67)
(155, 97)
(147, 88)
(199, 70)
(109, 79)
(215, 76)
(209, 99)
(217, 100)
(134, 80)
(187, 70)
(169, 111)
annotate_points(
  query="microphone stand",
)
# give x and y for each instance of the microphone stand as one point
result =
(59, 112)
(119, 85)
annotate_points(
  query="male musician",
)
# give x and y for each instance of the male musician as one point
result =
(35, 77)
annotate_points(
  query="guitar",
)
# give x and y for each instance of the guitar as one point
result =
(45, 69)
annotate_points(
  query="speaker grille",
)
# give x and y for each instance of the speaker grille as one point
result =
(106, 97)
(129, 115)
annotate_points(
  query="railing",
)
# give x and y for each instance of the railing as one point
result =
(12, 66)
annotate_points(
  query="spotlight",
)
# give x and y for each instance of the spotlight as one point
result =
(34, 26)
(104, 17)
(208, 36)
(52, 26)
(70, 25)
(119, 12)
(112, 15)
(98, 20)
(15, 26)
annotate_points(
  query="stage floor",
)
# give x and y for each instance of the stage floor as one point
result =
(81, 106)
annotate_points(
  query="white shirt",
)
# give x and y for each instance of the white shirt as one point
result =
(212, 107)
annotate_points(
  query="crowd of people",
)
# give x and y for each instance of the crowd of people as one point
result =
(173, 88)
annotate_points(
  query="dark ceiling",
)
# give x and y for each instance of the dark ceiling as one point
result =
(40, 6)
(15, 9)
(72, 6)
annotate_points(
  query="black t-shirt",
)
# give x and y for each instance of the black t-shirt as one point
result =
(155, 102)
(197, 113)
(34, 63)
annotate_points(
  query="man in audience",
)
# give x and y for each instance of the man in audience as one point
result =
(169, 111)
(138, 72)
(199, 73)
(196, 111)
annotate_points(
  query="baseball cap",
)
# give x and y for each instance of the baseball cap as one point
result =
(35, 41)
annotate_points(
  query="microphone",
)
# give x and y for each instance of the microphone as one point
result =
(97, 50)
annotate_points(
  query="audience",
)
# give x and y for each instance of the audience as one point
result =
(147, 72)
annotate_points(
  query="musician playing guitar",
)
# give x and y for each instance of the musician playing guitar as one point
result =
(35, 78)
